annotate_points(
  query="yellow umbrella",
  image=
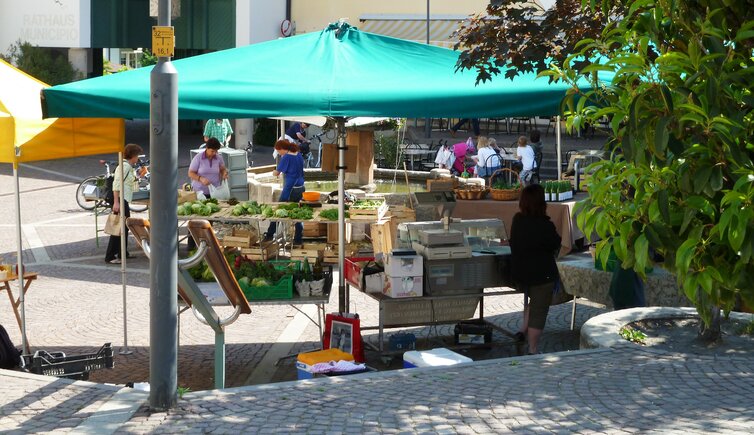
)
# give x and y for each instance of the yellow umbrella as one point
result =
(26, 137)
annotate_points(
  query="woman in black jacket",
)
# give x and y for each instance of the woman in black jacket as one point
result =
(534, 242)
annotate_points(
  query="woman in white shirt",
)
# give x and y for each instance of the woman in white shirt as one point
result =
(525, 154)
(486, 165)
(130, 157)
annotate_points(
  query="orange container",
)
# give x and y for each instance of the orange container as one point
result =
(311, 196)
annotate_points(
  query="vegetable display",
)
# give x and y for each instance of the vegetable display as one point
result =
(363, 204)
(503, 185)
(330, 214)
(202, 208)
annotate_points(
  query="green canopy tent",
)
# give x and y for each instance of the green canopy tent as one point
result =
(347, 73)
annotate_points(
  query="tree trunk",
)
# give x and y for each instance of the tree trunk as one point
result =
(711, 333)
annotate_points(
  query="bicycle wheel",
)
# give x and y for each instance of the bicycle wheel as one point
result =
(80, 198)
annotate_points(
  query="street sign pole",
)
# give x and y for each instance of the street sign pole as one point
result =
(163, 270)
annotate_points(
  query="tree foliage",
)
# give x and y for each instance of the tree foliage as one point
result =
(681, 177)
(506, 38)
(47, 65)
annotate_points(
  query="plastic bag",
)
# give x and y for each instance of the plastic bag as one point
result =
(222, 192)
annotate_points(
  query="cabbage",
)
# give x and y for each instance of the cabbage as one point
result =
(238, 210)
(281, 213)
(214, 207)
(260, 282)
(196, 207)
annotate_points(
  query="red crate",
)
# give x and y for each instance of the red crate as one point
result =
(354, 275)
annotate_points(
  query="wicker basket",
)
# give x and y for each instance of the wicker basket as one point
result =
(471, 193)
(505, 194)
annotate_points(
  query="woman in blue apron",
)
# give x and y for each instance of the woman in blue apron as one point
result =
(291, 165)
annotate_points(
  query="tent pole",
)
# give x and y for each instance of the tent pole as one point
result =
(123, 259)
(557, 141)
(19, 261)
(343, 297)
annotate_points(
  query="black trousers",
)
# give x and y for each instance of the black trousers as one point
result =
(113, 246)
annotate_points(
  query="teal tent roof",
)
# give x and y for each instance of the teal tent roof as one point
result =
(339, 71)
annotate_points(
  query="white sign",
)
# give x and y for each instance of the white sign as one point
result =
(46, 23)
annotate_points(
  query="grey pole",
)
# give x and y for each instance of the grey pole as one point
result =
(342, 297)
(163, 270)
(20, 261)
(557, 140)
(427, 121)
(123, 244)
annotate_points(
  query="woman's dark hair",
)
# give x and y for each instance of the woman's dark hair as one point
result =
(532, 201)
(213, 144)
(132, 150)
(534, 136)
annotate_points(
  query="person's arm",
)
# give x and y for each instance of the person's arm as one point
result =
(282, 166)
(230, 132)
(193, 171)
(206, 131)
(301, 137)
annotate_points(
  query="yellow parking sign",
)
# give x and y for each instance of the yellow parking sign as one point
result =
(163, 41)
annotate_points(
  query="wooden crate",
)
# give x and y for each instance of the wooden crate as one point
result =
(370, 214)
(401, 213)
(315, 229)
(239, 238)
(382, 239)
(262, 253)
(442, 184)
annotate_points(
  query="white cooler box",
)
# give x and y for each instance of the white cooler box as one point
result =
(433, 358)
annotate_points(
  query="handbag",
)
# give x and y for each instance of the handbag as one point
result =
(222, 192)
(112, 226)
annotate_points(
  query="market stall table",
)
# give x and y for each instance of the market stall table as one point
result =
(411, 153)
(15, 302)
(561, 214)
(580, 279)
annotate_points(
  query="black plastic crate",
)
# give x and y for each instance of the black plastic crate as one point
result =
(70, 367)
(473, 332)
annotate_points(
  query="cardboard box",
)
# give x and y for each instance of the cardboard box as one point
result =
(404, 287)
(404, 265)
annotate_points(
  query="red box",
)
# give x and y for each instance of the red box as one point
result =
(354, 274)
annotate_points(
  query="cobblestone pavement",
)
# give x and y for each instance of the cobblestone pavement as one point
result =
(76, 305)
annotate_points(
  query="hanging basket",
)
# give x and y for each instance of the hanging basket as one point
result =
(505, 194)
(471, 192)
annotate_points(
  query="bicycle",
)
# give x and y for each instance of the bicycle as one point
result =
(90, 192)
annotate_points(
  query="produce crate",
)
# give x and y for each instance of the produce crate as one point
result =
(442, 184)
(382, 239)
(259, 252)
(239, 238)
(71, 367)
(368, 214)
(283, 289)
(315, 229)
(309, 254)
(401, 213)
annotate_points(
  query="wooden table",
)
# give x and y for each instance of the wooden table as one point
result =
(15, 303)
(561, 214)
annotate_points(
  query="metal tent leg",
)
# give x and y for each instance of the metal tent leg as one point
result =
(220, 359)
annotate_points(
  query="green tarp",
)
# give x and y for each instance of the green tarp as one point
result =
(337, 72)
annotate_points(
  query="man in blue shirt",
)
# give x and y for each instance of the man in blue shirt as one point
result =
(297, 132)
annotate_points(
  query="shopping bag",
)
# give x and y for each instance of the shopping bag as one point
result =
(112, 226)
(343, 331)
(222, 192)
